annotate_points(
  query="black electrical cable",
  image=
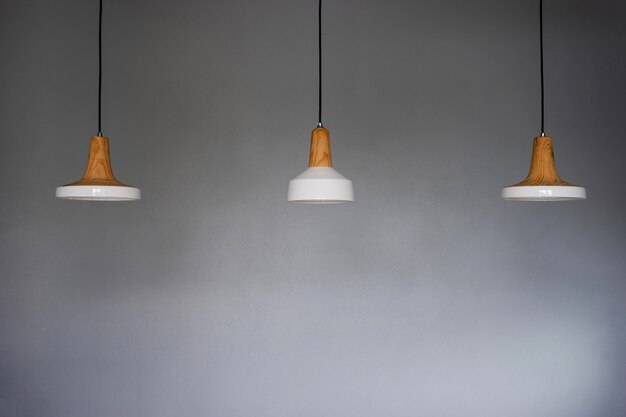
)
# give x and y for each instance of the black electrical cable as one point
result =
(541, 63)
(100, 71)
(319, 39)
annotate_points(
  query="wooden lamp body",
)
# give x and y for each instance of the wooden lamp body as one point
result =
(320, 148)
(542, 165)
(99, 170)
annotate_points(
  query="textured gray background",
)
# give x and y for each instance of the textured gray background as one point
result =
(429, 296)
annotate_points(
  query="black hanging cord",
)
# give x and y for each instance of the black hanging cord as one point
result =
(100, 71)
(541, 53)
(319, 39)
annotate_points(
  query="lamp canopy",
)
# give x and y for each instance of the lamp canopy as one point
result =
(98, 182)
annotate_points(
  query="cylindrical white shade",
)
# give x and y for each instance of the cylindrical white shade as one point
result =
(98, 193)
(320, 185)
(544, 193)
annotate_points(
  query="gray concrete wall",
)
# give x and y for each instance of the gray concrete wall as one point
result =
(428, 296)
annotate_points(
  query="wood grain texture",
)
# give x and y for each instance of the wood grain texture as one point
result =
(99, 171)
(320, 148)
(542, 165)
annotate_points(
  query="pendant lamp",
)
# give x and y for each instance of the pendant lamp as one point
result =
(543, 182)
(98, 182)
(320, 183)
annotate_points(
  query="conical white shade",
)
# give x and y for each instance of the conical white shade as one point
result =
(320, 185)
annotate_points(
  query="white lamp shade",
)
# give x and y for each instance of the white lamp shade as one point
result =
(544, 193)
(320, 185)
(98, 193)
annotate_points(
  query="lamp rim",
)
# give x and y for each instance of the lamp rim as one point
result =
(97, 192)
(320, 201)
(544, 193)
